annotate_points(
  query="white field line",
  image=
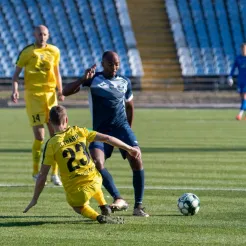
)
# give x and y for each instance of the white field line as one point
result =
(146, 187)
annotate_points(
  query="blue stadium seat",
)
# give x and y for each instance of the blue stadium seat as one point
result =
(235, 24)
(79, 28)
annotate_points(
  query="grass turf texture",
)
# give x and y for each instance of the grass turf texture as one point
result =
(198, 151)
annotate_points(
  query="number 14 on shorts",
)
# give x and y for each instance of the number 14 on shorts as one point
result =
(35, 118)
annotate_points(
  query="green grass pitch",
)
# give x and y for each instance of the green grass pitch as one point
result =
(198, 151)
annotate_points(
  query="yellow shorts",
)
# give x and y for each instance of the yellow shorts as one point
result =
(82, 194)
(38, 106)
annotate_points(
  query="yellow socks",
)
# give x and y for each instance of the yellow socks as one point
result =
(54, 169)
(100, 198)
(36, 154)
(88, 212)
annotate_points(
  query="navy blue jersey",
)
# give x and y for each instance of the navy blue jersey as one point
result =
(107, 99)
(240, 63)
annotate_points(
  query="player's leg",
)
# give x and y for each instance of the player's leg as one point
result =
(36, 114)
(38, 132)
(51, 100)
(54, 172)
(105, 208)
(97, 194)
(87, 211)
(126, 134)
(82, 196)
(138, 184)
(243, 103)
(98, 153)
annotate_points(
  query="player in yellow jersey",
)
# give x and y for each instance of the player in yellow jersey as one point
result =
(81, 180)
(41, 78)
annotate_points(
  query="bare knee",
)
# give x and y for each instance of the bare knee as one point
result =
(98, 158)
(136, 164)
(39, 132)
(99, 164)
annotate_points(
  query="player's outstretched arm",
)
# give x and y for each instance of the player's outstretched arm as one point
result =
(15, 92)
(118, 143)
(74, 87)
(40, 183)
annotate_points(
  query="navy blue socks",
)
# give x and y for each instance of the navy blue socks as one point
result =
(138, 184)
(108, 183)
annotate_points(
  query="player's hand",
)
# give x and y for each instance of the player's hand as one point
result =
(230, 81)
(60, 96)
(31, 204)
(135, 153)
(90, 72)
(15, 96)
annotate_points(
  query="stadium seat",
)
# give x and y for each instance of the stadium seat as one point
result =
(78, 28)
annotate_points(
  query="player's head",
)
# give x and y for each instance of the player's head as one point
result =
(110, 63)
(243, 49)
(41, 34)
(58, 116)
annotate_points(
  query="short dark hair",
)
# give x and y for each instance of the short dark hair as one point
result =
(105, 54)
(57, 115)
(108, 53)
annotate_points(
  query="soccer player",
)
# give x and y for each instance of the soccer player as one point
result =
(81, 180)
(111, 104)
(240, 64)
(40, 61)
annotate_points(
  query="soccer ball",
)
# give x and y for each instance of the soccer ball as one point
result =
(188, 204)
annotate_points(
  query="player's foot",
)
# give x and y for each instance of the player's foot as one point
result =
(105, 210)
(238, 117)
(140, 212)
(119, 205)
(56, 180)
(102, 219)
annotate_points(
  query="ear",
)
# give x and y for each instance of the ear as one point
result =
(66, 120)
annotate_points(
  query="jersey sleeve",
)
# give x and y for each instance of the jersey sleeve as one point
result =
(48, 155)
(128, 94)
(22, 59)
(89, 134)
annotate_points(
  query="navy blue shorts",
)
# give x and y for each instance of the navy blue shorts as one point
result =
(241, 88)
(124, 133)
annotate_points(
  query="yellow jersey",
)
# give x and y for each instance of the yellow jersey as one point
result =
(39, 63)
(68, 149)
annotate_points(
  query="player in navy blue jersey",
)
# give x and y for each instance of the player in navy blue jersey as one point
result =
(240, 64)
(111, 105)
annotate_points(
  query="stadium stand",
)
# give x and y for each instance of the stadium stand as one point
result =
(212, 32)
(160, 41)
(156, 46)
(82, 29)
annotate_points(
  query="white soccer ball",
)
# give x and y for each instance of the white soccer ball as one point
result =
(188, 204)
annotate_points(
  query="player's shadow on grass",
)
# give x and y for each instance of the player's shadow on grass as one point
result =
(37, 223)
(32, 217)
(41, 222)
(152, 215)
(191, 149)
(15, 150)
